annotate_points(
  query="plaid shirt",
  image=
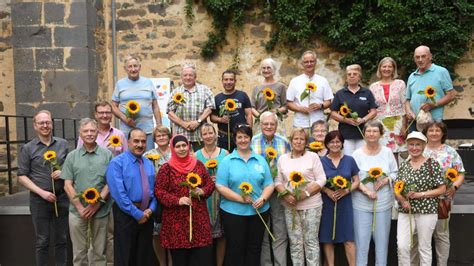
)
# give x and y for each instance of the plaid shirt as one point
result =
(196, 101)
(279, 143)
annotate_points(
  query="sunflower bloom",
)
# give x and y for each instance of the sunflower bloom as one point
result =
(269, 94)
(194, 180)
(340, 182)
(178, 98)
(310, 86)
(316, 146)
(91, 195)
(230, 105)
(246, 188)
(452, 174)
(399, 187)
(344, 110)
(375, 172)
(153, 157)
(211, 164)
(430, 92)
(296, 178)
(115, 141)
(133, 107)
(49, 155)
(271, 153)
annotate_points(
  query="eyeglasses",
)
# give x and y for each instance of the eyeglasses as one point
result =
(44, 123)
(309, 62)
(104, 113)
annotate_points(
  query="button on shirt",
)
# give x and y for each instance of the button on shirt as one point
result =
(87, 170)
(125, 185)
(233, 170)
(32, 164)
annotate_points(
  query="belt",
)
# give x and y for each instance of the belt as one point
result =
(225, 132)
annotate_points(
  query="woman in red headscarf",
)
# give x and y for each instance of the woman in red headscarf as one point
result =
(189, 245)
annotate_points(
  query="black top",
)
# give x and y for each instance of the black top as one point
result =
(238, 115)
(361, 102)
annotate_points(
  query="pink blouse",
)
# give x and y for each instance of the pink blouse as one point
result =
(396, 99)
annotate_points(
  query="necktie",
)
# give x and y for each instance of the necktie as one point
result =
(145, 186)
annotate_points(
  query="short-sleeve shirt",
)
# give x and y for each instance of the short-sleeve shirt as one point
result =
(323, 93)
(238, 115)
(254, 171)
(32, 164)
(142, 91)
(447, 157)
(361, 102)
(196, 101)
(259, 102)
(87, 170)
(427, 177)
(436, 76)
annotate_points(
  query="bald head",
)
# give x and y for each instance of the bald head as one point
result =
(422, 58)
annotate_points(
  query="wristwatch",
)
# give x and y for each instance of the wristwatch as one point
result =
(307, 193)
(199, 121)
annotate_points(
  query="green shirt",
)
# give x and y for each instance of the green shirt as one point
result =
(87, 170)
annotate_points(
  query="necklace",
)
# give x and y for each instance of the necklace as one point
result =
(209, 153)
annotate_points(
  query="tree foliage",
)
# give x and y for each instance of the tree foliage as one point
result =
(366, 30)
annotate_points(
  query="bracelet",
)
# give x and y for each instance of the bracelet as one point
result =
(307, 193)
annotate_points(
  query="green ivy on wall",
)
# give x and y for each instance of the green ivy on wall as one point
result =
(366, 30)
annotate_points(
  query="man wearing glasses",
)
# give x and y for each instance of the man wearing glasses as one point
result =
(48, 201)
(310, 108)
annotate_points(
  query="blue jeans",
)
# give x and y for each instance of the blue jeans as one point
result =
(363, 233)
(150, 144)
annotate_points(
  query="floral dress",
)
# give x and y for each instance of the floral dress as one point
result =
(390, 113)
(214, 200)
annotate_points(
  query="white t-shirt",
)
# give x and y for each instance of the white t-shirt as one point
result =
(323, 93)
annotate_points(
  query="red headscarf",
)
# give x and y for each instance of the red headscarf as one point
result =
(182, 165)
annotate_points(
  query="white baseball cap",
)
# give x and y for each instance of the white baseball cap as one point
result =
(417, 135)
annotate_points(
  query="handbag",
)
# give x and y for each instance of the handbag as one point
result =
(444, 204)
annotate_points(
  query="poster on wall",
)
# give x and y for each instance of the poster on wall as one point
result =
(162, 89)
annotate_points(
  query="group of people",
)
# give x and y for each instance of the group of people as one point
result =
(241, 192)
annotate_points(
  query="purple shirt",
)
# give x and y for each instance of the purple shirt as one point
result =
(103, 141)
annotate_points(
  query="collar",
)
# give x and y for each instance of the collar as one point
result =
(37, 141)
(431, 68)
(132, 157)
(235, 155)
(83, 151)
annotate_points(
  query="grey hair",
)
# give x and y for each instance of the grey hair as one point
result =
(269, 114)
(189, 65)
(374, 123)
(270, 62)
(309, 52)
(130, 57)
(87, 121)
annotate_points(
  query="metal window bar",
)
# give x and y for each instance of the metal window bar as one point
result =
(27, 121)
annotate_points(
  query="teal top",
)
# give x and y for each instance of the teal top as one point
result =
(87, 170)
(234, 170)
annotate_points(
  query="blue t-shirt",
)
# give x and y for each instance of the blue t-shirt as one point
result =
(233, 170)
(437, 77)
(143, 92)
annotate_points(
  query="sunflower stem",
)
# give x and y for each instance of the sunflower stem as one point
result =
(190, 223)
(375, 215)
(265, 224)
(334, 222)
(55, 203)
(228, 136)
(411, 227)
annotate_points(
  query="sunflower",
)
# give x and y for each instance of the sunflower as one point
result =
(211, 164)
(194, 180)
(344, 110)
(310, 86)
(178, 98)
(296, 178)
(246, 188)
(153, 157)
(268, 94)
(375, 172)
(452, 174)
(316, 146)
(114, 141)
(271, 153)
(133, 107)
(49, 155)
(91, 195)
(399, 186)
(430, 92)
(340, 182)
(230, 105)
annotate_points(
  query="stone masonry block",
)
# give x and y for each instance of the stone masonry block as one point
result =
(23, 59)
(78, 14)
(33, 36)
(49, 58)
(54, 13)
(131, 12)
(25, 13)
(71, 37)
(28, 86)
(123, 25)
(70, 86)
(157, 9)
(78, 59)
